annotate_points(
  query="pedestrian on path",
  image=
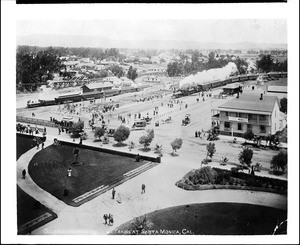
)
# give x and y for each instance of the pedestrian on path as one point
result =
(43, 143)
(143, 188)
(110, 219)
(23, 173)
(105, 217)
(113, 193)
(196, 134)
(69, 172)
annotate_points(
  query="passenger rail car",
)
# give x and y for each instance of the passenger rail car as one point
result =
(219, 83)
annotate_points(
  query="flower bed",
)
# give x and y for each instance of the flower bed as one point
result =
(208, 178)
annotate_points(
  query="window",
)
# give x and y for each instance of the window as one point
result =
(262, 117)
(249, 126)
(226, 113)
(239, 126)
(262, 128)
(227, 125)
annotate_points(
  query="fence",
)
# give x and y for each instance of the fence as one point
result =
(36, 121)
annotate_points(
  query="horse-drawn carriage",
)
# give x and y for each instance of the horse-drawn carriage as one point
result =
(186, 120)
(168, 120)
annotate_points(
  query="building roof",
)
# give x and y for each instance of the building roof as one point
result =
(232, 86)
(277, 89)
(251, 102)
(99, 85)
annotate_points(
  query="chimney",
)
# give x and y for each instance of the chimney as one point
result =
(261, 96)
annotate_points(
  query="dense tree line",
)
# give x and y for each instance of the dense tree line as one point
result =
(185, 67)
(82, 52)
(36, 67)
(267, 63)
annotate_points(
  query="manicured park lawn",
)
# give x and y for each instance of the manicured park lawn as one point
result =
(27, 207)
(213, 219)
(48, 168)
(24, 144)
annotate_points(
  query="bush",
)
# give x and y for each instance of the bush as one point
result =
(279, 161)
(245, 156)
(176, 144)
(121, 134)
(76, 129)
(248, 135)
(211, 149)
(206, 161)
(146, 140)
(99, 132)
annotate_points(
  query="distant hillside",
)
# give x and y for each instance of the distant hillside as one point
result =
(104, 42)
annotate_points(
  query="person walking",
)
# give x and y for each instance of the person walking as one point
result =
(110, 219)
(43, 143)
(113, 193)
(105, 217)
(23, 173)
(196, 134)
(143, 188)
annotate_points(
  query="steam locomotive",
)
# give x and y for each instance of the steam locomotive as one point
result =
(219, 83)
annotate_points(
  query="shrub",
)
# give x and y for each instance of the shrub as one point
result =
(248, 135)
(211, 149)
(146, 140)
(76, 129)
(176, 144)
(131, 145)
(121, 134)
(245, 156)
(279, 161)
(99, 132)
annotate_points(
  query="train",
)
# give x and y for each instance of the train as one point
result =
(77, 97)
(219, 83)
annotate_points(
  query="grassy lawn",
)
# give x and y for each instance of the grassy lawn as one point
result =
(96, 169)
(214, 219)
(24, 144)
(27, 207)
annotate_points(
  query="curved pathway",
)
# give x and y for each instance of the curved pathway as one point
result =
(161, 192)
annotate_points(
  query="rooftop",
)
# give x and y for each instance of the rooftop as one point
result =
(278, 89)
(251, 102)
(99, 85)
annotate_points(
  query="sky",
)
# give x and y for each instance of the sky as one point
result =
(226, 31)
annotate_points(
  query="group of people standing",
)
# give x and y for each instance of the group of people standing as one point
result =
(199, 134)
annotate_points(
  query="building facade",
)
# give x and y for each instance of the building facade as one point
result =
(249, 111)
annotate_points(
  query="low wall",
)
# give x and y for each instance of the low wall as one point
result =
(36, 121)
(111, 151)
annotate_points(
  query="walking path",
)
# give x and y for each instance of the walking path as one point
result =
(161, 192)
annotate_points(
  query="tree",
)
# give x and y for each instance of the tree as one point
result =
(117, 70)
(245, 156)
(283, 105)
(211, 149)
(99, 132)
(146, 140)
(248, 135)
(132, 74)
(76, 153)
(279, 161)
(131, 145)
(265, 63)
(76, 129)
(174, 69)
(121, 134)
(158, 149)
(176, 144)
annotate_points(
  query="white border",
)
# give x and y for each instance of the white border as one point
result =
(11, 12)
